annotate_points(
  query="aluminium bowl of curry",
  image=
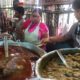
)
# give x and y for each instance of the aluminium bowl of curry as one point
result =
(18, 64)
(51, 67)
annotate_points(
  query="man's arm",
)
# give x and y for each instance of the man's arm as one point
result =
(67, 36)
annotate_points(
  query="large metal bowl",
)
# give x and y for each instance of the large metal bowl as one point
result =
(42, 62)
(26, 45)
(38, 51)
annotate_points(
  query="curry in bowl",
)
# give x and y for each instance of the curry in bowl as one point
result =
(17, 66)
(52, 67)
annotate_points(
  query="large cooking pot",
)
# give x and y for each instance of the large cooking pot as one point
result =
(27, 45)
(44, 60)
(19, 66)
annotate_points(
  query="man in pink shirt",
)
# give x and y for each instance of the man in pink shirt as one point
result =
(35, 31)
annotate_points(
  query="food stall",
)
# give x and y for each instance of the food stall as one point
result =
(25, 61)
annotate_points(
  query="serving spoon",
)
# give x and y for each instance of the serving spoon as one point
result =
(6, 46)
(62, 58)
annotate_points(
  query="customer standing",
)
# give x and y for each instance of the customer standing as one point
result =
(4, 24)
(19, 12)
(74, 32)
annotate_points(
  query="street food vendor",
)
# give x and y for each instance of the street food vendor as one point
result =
(34, 30)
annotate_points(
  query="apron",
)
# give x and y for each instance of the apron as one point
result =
(32, 37)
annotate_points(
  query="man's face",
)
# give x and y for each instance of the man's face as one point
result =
(77, 14)
(35, 17)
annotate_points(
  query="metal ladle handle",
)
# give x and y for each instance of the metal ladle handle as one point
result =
(62, 58)
(6, 46)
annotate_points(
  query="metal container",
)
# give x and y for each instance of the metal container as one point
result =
(38, 51)
(42, 62)
(27, 45)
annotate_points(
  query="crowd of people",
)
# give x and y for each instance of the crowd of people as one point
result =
(36, 32)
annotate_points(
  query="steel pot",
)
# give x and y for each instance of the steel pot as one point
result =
(38, 51)
(27, 45)
(42, 62)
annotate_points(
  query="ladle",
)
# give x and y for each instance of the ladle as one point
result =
(6, 46)
(62, 58)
